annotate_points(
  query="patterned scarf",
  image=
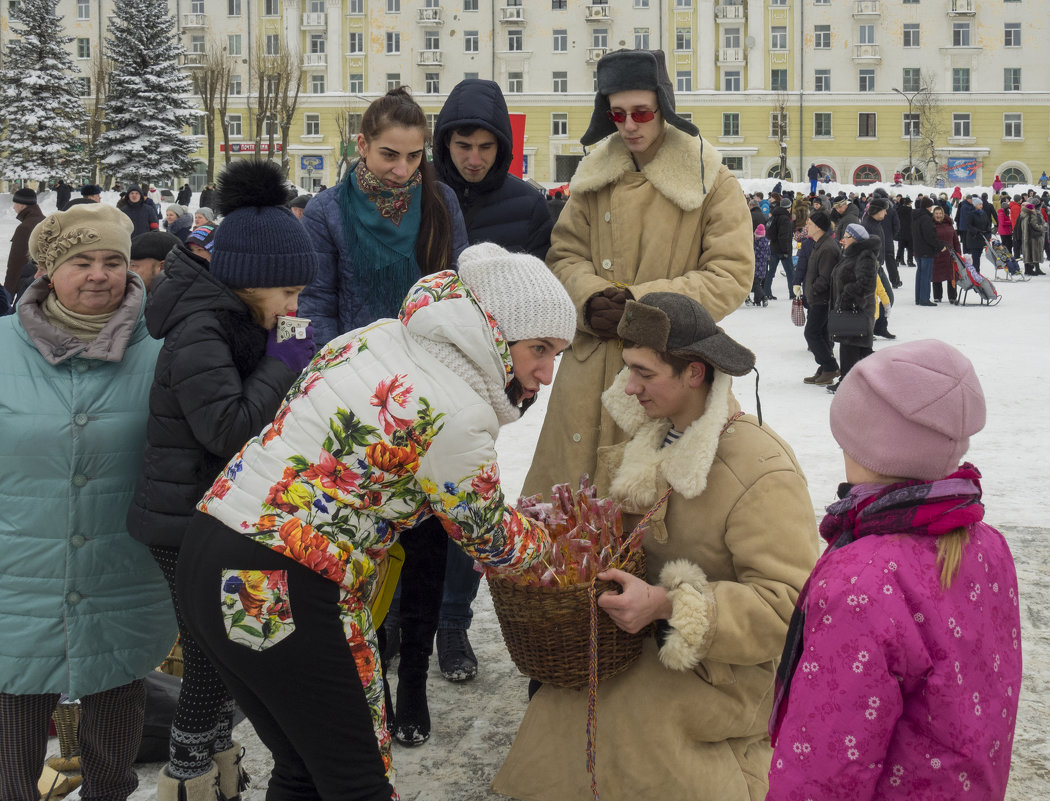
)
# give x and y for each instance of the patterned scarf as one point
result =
(380, 227)
(917, 508)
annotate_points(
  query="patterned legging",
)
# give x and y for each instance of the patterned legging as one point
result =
(109, 734)
(203, 722)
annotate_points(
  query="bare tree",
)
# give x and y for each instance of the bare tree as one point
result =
(277, 80)
(212, 83)
(99, 72)
(780, 126)
(931, 127)
(347, 123)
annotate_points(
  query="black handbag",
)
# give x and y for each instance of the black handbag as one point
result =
(848, 323)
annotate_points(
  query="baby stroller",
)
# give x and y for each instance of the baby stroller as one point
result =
(968, 279)
(1000, 256)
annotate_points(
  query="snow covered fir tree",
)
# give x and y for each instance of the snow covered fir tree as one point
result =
(147, 107)
(41, 115)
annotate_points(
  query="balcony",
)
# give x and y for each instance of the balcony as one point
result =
(725, 12)
(732, 55)
(962, 7)
(595, 53)
(193, 59)
(867, 8)
(430, 16)
(315, 59)
(193, 20)
(429, 58)
(315, 19)
(512, 14)
(866, 52)
(597, 13)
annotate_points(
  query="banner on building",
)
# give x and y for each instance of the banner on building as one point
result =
(249, 147)
(963, 170)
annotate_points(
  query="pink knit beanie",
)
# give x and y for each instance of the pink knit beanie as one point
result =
(909, 411)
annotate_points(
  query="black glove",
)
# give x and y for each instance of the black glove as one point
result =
(604, 309)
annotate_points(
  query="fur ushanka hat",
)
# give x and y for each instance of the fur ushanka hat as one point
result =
(622, 71)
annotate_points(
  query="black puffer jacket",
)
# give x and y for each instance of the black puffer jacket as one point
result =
(500, 208)
(853, 285)
(780, 230)
(213, 390)
(822, 261)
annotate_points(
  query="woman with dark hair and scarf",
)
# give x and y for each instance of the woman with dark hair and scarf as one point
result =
(902, 666)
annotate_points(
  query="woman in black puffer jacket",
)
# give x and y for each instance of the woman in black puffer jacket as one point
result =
(220, 378)
(853, 287)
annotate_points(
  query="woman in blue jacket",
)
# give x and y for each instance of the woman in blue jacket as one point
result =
(83, 608)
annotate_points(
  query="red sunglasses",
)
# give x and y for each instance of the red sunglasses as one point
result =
(637, 116)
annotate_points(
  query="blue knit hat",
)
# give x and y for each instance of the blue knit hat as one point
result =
(260, 242)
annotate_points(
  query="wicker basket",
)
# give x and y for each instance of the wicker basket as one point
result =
(173, 662)
(547, 630)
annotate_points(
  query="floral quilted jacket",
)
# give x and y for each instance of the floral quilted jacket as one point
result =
(375, 436)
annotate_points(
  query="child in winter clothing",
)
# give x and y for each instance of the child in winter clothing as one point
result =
(902, 667)
(762, 250)
(220, 377)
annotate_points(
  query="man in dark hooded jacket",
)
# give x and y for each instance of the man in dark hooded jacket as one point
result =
(472, 151)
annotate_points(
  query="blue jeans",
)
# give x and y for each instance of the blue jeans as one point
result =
(461, 587)
(789, 271)
(923, 277)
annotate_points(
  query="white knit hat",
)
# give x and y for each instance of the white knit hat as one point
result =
(517, 289)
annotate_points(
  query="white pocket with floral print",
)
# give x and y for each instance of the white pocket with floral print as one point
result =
(256, 607)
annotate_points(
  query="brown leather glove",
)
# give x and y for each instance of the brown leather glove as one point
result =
(604, 309)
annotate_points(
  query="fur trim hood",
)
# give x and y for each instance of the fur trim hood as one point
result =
(679, 171)
(686, 464)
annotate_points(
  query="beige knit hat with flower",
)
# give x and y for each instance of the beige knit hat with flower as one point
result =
(88, 226)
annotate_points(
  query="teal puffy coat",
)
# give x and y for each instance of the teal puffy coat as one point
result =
(83, 607)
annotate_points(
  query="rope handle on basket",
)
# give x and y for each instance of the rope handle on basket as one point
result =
(592, 640)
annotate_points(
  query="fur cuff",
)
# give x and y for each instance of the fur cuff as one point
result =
(692, 617)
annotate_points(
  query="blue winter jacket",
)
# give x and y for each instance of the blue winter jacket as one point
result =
(330, 300)
(83, 607)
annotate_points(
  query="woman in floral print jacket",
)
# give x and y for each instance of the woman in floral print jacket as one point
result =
(902, 668)
(390, 424)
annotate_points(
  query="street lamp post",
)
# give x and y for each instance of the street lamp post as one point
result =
(911, 130)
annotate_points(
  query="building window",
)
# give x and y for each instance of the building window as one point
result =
(731, 80)
(683, 3)
(83, 48)
(233, 124)
(912, 79)
(1012, 34)
(272, 8)
(84, 86)
(393, 6)
(433, 83)
(356, 82)
(731, 38)
(83, 9)
(559, 5)
(822, 124)
(867, 81)
(196, 6)
(471, 76)
(961, 125)
(197, 127)
(910, 2)
(196, 44)
(911, 34)
(778, 38)
(911, 125)
(734, 163)
(470, 41)
(822, 2)
(561, 82)
(233, 44)
(317, 83)
(778, 2)
(356, 8)
(431, 40)
(311, 125)
(393, 42)
(355, 42)
(778, 80)
(393, 80)
(470, 5)
(273, 44)
(561, 40)
(272, 82)
(822, 37)
(961, 79)
(317, 43)
(683, 39)
(600, 37)
(683, 80)
(866, 127)
(778, 125)
(233, 8)
(271, 126)
(515, 82)
(822, 80)
(236, 87)
(641, 3)
(515, 39)
(1012, 126)
(641, 38)
(731, 123)
(559, 124)
(960, 34)
(867, 34)
(1012, 79)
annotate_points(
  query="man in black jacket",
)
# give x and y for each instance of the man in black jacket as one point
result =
(826, 254)
(927, 245)
(780, 231)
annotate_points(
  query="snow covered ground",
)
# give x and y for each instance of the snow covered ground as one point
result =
(475, 723)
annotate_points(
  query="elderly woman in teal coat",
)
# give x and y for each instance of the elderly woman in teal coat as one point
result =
(84, 609)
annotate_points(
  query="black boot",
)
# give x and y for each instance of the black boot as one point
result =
(412, 714)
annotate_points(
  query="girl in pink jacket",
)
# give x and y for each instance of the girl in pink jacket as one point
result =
(902, 667)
